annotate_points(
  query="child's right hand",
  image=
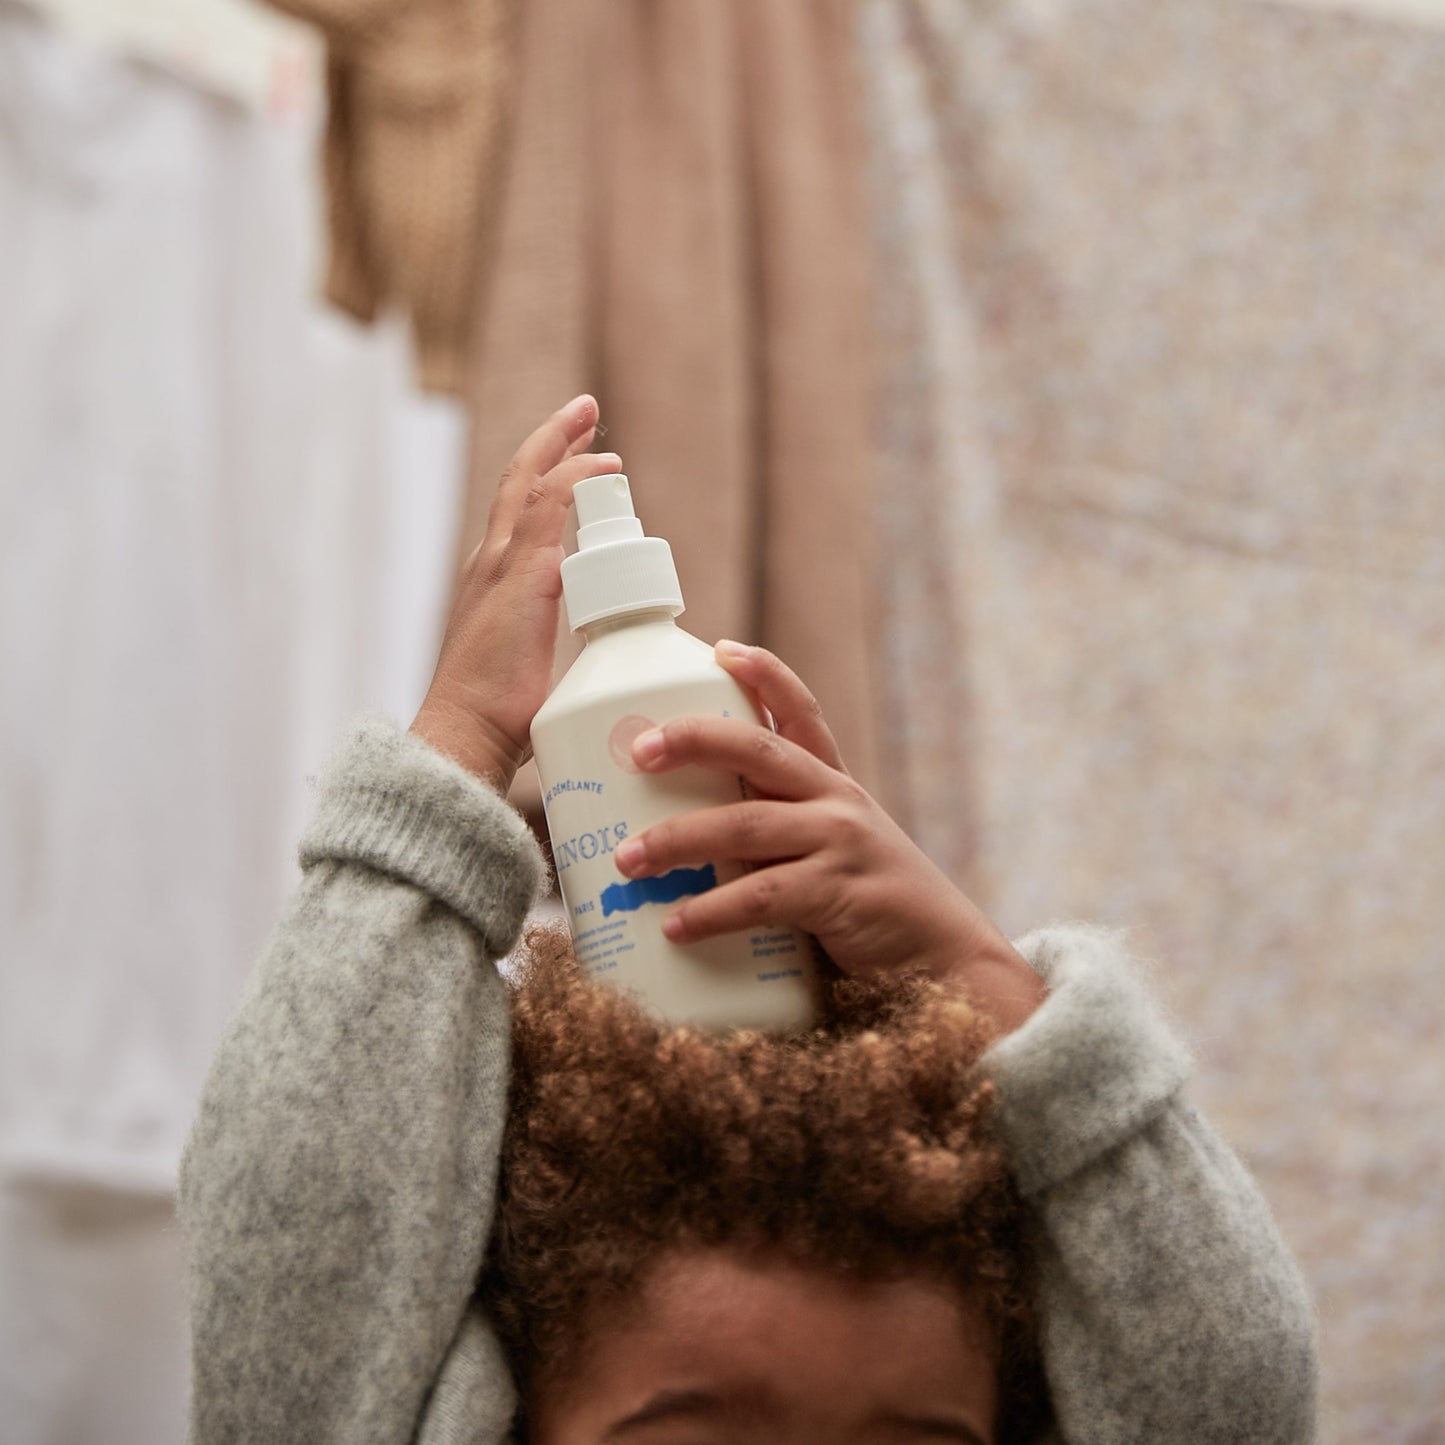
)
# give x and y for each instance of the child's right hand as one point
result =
(496, 656)
(822, 855)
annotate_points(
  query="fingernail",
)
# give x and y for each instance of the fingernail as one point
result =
(647, 748)
(629, 855)
(733, 649)
(672, 927)
(611, 460)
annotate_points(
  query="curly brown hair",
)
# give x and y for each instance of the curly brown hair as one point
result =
(862, 1146)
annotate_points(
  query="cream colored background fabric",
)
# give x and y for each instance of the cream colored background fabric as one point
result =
(1162, 308)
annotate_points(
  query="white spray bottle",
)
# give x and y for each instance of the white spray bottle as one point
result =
(639, 669)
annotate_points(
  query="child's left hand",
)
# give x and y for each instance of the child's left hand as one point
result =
(824, 856)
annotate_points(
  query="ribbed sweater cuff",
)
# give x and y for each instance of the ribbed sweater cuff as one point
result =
(391, 802)
(1093, 1064)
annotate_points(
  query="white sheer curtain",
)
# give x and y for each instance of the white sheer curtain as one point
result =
(226, 522)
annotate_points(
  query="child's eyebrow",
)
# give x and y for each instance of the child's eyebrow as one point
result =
(929, 1427)
(688, 1404)
(754, 1406)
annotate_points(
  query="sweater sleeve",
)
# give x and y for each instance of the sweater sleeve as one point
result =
(1171, 1309)
(337, 1187)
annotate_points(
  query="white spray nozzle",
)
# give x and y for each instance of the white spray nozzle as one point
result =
(604, 511)
(615, 569)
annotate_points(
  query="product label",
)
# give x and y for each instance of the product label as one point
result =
(616, 921)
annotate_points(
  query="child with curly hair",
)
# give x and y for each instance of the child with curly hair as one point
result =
(424, 1204)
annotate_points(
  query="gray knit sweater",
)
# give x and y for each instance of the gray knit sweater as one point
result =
(337, 1189)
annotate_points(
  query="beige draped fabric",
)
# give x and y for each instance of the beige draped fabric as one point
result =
(418, 96)
(680, 230)
(660, 203)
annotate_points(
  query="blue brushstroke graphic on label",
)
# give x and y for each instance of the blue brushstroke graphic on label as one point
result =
(629, 897)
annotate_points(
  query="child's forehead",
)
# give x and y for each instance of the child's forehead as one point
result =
(759, 1343)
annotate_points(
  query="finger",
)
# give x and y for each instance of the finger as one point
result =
(770, 763)
(795, 710)
(750, 832)
(595, 432)
(557, 438)
(778, 896)
(542, 516)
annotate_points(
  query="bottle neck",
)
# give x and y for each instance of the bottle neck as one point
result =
(643, 617)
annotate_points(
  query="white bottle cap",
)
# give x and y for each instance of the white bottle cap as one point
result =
(615, 569)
